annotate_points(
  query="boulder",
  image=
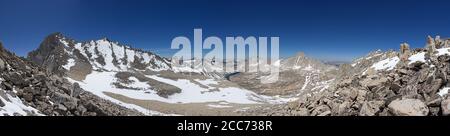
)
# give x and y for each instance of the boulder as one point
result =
(2, 65)
(326, 113)
(445, 105)
(371, 108)
(373, 82)
(320, 110)
(28, 97)
(301, 112)
(81, 110)
(76, 90)
(7, 85)
(408, 107)
(1, 103)
(61, 107)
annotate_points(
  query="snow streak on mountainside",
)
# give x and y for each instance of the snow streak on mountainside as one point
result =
(64, 56)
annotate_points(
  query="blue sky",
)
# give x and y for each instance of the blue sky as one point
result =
(324, 29)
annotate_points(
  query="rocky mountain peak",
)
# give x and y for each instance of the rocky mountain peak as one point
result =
(26, 89)
(67, 57)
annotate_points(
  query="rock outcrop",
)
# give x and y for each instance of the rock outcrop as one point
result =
(414, 89)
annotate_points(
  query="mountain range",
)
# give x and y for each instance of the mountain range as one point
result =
(65, 77)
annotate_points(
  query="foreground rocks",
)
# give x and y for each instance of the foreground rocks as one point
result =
(409, 89)
(408, 107)
(445, 107)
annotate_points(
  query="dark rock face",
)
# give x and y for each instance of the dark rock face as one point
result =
(51, 55)
(49, 93)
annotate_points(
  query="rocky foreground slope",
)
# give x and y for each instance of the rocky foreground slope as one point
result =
(407, 83)
(26, 89)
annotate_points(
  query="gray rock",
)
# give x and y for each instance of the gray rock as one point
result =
(28, 97)
(1, 103)
(343, 108)
(371, 108)
(7, 85)
(61, 107)
(81, 109)
(326, 113)
(320, 110)
(408, 107)
(373, 82)
(71, 105)
(436, 102)
(445, 105)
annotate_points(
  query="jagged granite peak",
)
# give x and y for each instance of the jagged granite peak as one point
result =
(67, 57)
(26, 89)
(301, 62)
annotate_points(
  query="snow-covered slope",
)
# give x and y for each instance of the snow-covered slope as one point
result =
(192, 90)
(12, 105)
(111, 56)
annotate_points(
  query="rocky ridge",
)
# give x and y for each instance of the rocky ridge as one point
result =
(27, 89)
(409, 83)
(66, 57)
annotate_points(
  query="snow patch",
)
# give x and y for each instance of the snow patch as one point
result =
(305, 83)
(443, 51)
(219, 106)
(387, 64)
(419, 57)
(70, 63)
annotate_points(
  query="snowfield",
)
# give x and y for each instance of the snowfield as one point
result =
(100, 82)
(111, 51)
(15, 105)
(387, 64)
(419, 57)
(444, 91)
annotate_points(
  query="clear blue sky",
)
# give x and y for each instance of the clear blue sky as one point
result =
(324, 29)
